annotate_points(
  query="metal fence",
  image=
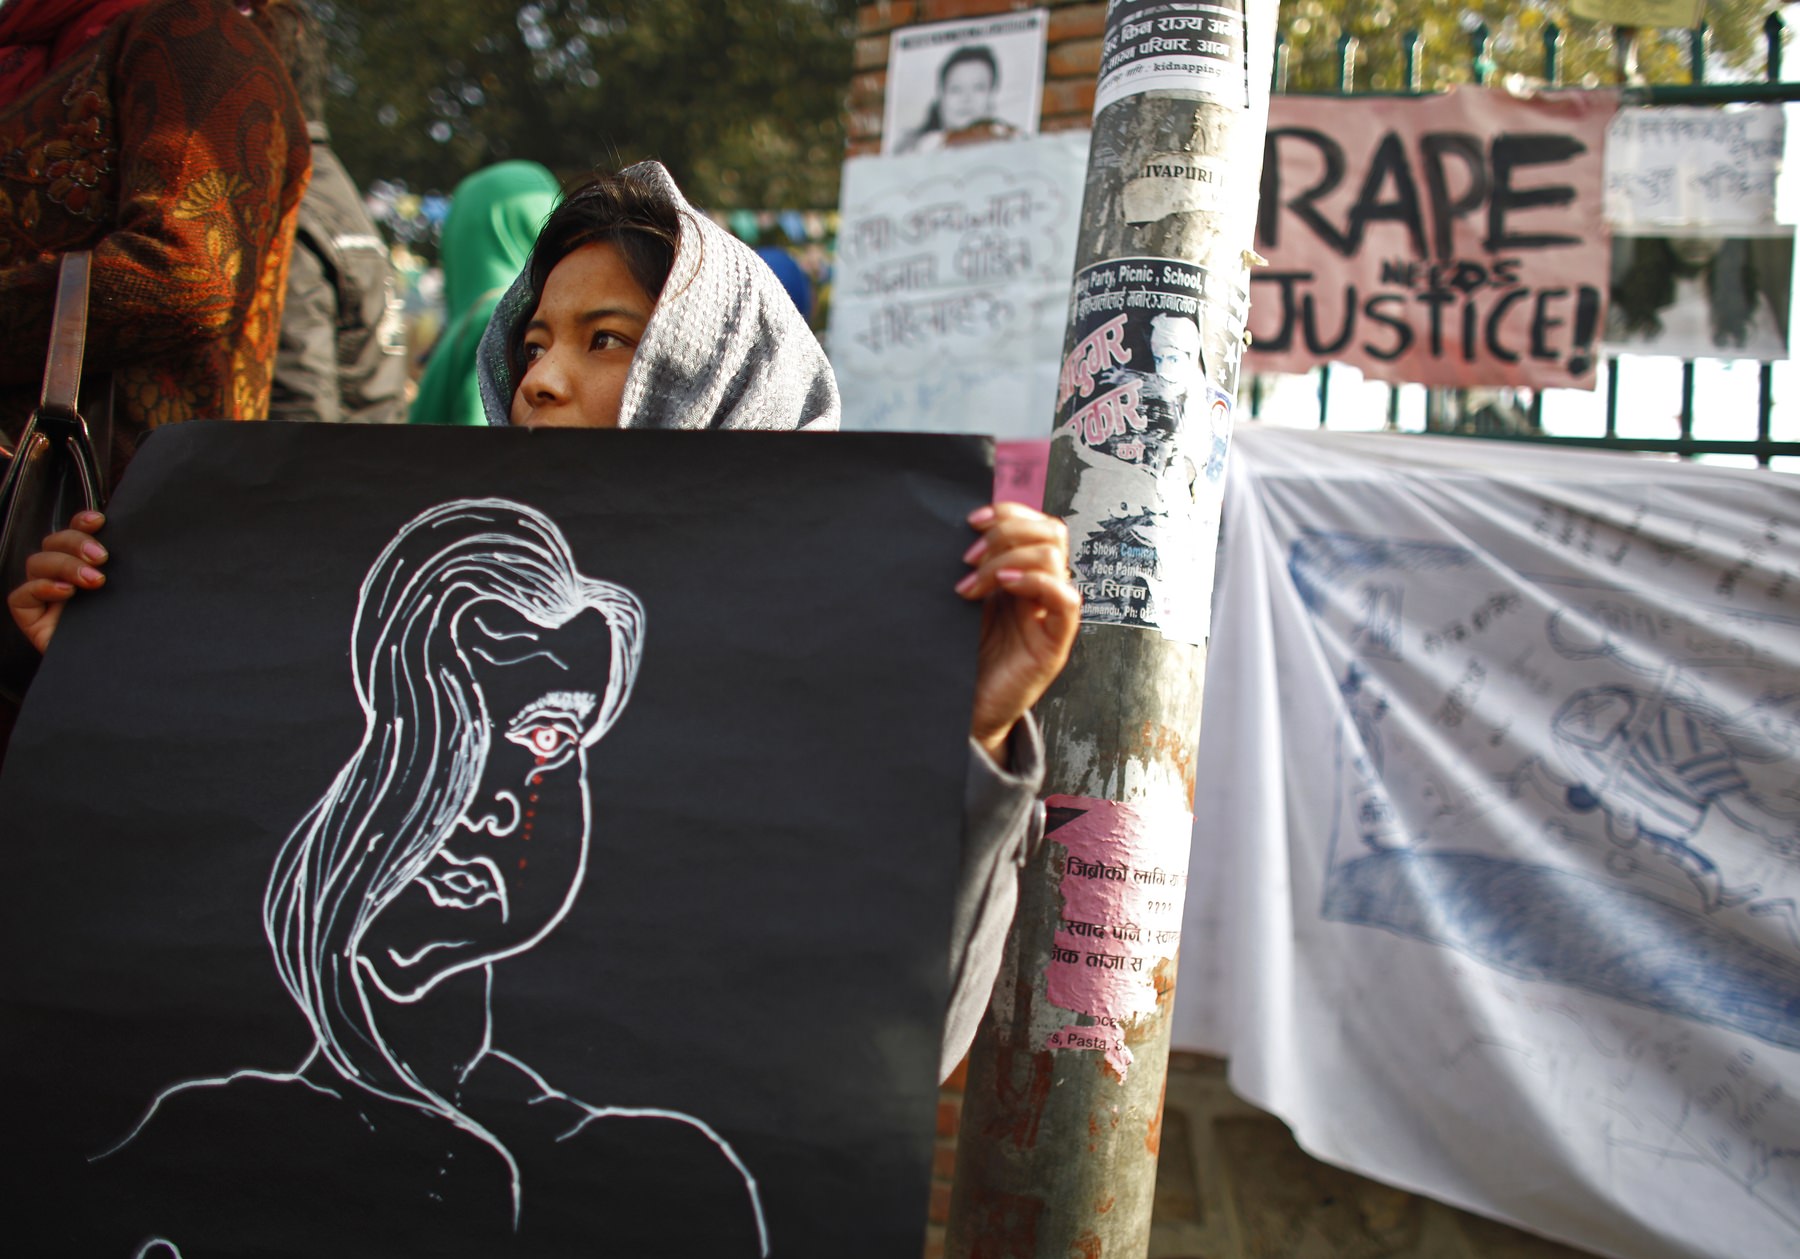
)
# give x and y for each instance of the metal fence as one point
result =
(1519, 415)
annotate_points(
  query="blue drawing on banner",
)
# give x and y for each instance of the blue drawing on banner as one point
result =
(1620, 816)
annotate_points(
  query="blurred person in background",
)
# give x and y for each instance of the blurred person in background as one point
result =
(165, 136)
(494, 219)
(342, 353)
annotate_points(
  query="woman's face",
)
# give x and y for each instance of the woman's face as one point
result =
(579, 343)
(967, 95)
(513, 863)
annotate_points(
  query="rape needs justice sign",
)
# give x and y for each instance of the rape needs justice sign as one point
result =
(1452, 241)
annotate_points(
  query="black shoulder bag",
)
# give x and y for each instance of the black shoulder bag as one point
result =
(58, 468)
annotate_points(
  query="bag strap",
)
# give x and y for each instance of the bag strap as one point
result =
(68, 338)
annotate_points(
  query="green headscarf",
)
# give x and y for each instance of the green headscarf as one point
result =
(494, 220)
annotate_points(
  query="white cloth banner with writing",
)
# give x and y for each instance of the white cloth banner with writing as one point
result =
(1496, 879)
(952, 285)
(1689, 167)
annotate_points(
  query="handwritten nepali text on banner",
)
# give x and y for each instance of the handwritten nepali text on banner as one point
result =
(1450, 241)
(1681, 167)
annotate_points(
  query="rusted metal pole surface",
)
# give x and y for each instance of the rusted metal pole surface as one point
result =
(1062, 1114)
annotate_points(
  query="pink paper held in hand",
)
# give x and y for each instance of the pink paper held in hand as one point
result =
(1124, 882)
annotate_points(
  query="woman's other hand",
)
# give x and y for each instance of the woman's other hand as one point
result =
(1031, 613)
(69, 561)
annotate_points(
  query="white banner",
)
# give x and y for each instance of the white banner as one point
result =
(952, 286)
(1672, 168)
(1496, 885)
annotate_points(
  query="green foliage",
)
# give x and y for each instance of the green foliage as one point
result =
(743, 100)
(1515, 46)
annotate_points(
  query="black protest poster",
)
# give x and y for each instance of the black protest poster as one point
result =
(464, 842)
(1452, 240)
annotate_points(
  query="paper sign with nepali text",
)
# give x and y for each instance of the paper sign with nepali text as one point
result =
(1456, 240)
(952, 286)
(1695, 169)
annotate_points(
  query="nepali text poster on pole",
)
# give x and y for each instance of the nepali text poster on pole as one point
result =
(1144, 399)
(1175, 45)
(1456, 240)
(493, 843)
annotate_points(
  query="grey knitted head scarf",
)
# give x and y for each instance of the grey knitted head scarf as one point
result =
(725, 347)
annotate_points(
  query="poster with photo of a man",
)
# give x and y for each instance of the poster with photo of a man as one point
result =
(1701, 296)
(964, 82)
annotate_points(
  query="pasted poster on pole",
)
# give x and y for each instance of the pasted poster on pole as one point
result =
(952, 285)
(1702, 296)
(1144, 402)
(953, 83)
(1681, 168)
(1456, 240)
(1162, 45)
(449, 857)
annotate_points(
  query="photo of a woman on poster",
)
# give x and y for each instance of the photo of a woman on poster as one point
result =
(967, 82)
(954, 83)
(1701, 296)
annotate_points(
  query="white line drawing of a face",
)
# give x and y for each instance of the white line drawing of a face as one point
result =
(457, 835)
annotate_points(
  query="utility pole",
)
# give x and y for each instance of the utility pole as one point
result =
(1062, 1114)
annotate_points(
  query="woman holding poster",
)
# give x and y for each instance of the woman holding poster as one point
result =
(636, 311)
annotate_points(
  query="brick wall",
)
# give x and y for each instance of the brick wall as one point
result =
(943, 1157)
(1072, 59)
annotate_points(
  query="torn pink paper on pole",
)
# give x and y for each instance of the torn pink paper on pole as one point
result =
(1124, 878)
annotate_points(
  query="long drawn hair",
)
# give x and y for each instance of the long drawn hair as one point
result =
(420, 761)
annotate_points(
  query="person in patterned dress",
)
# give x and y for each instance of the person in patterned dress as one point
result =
(166, 137)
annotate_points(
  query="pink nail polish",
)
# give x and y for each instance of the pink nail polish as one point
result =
(975, 551)
(966, 584)
(1007, 576)
(981, 515)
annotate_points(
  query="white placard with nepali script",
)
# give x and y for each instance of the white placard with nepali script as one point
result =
(952, 286)
(1711, 171)
(1456, 240)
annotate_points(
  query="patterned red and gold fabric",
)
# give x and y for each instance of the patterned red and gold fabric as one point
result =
(174, 147)
(37, 35)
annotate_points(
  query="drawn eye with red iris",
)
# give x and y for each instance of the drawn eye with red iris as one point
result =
(550, 727)
(543, 739)
(546, 740)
